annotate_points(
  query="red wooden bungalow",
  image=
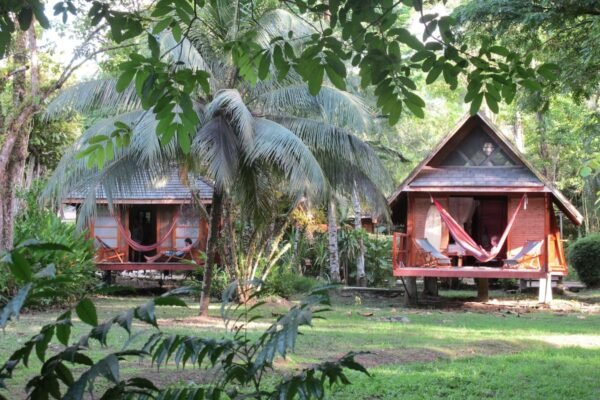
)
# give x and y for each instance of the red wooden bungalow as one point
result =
(476, 208)
(160, 215)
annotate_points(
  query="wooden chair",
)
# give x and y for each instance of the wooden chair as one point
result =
(528, 257)
(107, 253)
(432, 256)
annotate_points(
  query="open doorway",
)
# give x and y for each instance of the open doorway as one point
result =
(489, 222)
(142, 225)
(484, 218)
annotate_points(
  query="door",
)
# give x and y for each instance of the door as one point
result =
(142, 226)
(489, 222)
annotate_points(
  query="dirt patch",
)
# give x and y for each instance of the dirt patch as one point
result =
(508, 306)
(399, 356)
(585, 341)
(207, 322)
(488, 348)
(415, 355)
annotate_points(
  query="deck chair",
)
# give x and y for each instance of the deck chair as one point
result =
(185, 253)
(432, 256)
(108, 253)
(529, 256)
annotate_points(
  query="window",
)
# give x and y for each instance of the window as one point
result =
(478, 150)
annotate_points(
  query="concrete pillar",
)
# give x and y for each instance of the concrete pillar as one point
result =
(410, 297)
(430, 287)
(545, 291)
(483, 287)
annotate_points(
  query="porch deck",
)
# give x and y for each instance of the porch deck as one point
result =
(472, 272)
(140, 266)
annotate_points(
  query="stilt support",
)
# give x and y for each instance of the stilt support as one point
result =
(410, 297)
(430, 286)
(483, 292)
(522, 284)
(545, 293)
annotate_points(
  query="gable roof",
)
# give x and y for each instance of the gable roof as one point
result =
(169, 190)
(521, 177)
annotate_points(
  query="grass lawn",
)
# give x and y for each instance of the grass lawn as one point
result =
(466, 352)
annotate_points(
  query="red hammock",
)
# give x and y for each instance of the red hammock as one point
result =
(140, 247)
(463, 239)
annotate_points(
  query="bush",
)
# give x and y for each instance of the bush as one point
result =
(378, 260)
(286, 283)
(75, 270)
(584, 256)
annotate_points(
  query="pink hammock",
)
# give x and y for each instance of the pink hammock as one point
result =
(140, 247)
(463, 239)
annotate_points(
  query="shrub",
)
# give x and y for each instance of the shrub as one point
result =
(75, 269)
(285, 283)
(378, 260)
(584, 256)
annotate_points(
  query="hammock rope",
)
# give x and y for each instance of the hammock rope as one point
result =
(144, 248)
(463, 239)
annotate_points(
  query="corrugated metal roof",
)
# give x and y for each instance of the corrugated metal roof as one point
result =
(169, 188)
(476, 176)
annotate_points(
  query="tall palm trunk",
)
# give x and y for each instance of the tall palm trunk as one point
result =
(360, 260)
(334, 262)
(212, 250)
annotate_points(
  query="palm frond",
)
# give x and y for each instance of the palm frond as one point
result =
(336, 146)
(278, 22)
(278, 146)
(216, 147)
(331, 104)
(230, 104)
(96, 95)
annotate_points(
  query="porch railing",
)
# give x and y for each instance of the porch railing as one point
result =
(400, 245)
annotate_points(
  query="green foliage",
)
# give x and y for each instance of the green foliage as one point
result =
(19, 270)
(378, 253)
(56, 373)
(75, 270)
(371, 39)
(378, 260)
(220, 281)
(584, 256)
(286, 283)
(560, 32)
(239, 364)
(50, 139)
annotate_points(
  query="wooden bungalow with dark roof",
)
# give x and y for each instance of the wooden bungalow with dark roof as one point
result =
(476, 208)
(150, 224)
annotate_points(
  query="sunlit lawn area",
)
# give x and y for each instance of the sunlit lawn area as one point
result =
(430, 353)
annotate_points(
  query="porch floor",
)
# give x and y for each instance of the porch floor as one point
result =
(471, 272)
(137, 266)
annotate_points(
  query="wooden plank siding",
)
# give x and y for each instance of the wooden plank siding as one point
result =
(189, 224)
(418, 207)
(530, 222)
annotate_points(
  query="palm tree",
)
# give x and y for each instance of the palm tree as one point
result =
(246, 133)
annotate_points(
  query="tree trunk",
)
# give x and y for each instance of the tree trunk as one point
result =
(212, 249)
(361, 279)
(334, 262)
(14, 148)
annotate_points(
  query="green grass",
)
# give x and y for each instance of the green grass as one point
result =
(440, 353)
